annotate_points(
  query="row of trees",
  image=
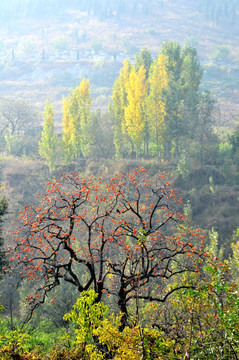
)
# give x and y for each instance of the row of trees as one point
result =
(75, 130)
(104, 9)
(219, 10)
(158, 103)
(216, 10)
(100, 8)
(157, 110)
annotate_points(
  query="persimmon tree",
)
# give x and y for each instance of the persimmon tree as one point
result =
(124, 238)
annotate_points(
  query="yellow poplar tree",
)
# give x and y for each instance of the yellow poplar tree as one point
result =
(80, 102)
(117, 109)
(85, 102)
(136, 88)
(48, 142)
(75, 119)
(156, 112)
(67, 131)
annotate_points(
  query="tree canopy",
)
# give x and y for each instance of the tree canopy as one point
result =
(123, 238)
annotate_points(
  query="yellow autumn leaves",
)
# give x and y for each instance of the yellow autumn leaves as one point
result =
(137, 104)
(153, 112)
(76, 114)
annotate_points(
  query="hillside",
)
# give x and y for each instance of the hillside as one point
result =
(44, 57)
(119, 170)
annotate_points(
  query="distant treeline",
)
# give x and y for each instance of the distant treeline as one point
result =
(101, 8)
(218, 10)
(215, 10)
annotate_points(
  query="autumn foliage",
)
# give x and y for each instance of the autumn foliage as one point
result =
(125, 238)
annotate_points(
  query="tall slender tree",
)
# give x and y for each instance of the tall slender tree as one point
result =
(191, 75)
(48, 142)
(67, 130)
(175, 126)
(136, 88)
(117, 110)
(144, 58)
(184, 75)
(158, 82)
(85, 101)
(79, 105)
